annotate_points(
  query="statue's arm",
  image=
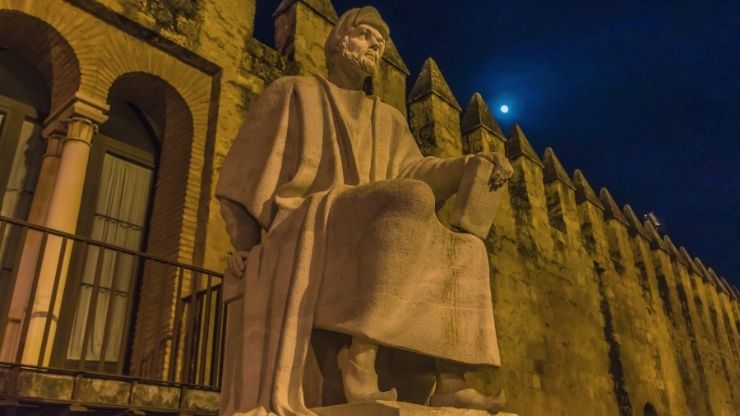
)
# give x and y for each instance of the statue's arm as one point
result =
(243, 228)
(442, 175)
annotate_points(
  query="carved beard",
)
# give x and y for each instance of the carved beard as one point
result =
(361, 60)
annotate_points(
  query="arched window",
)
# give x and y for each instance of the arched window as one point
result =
(24, 103)
(115, 210)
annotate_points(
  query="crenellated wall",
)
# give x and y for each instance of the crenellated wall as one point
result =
(596, 312)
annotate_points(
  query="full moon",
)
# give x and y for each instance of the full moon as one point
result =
(504, 109)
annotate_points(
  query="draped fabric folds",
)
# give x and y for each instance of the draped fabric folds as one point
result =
(119, 219)
(353, 244)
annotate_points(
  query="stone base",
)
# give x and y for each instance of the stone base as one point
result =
(383, 408)
(44, 386)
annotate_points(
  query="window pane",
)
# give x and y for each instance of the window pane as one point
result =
(119, 219)
(78, 326)
(18, 193)
(24, 173)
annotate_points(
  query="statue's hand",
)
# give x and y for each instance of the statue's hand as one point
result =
(502, 169)
(238, 262)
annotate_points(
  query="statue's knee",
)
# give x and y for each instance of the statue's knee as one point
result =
(411, 196)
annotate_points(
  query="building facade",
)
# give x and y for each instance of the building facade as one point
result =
(115, 116)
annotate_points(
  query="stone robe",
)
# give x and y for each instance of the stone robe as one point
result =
(352, 243)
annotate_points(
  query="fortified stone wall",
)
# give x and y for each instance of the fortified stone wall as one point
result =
(220, 32)
(597, 313)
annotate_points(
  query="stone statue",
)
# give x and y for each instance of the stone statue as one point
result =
(331, 208)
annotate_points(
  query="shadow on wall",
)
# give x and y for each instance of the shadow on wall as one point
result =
(649, 410)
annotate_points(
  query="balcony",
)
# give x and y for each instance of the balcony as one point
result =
(77, 335)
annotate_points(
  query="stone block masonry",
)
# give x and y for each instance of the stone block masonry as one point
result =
(597, 312)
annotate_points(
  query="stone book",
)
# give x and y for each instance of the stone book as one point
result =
(476, 201)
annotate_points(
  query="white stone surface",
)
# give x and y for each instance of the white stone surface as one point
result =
(353, 244)
(476, 201)
(382, 408)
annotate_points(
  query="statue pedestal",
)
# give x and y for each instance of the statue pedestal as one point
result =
(383, 408)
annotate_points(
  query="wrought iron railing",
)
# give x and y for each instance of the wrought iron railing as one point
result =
(71, 303)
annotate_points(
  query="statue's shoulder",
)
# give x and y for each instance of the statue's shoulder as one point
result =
(391, 112)
(293, 82)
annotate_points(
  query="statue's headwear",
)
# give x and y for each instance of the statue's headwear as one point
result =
(352, 18)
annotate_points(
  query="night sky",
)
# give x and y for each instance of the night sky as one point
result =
(642, 96)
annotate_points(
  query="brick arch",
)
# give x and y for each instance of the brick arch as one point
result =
(46, 50)
(172, 123)
(161, 104)
(122, 55)
(110, 61)
(121, 58)
(106, 54)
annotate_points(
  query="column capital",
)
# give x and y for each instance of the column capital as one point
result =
(54, 144)
(80, 106)
(80, 129)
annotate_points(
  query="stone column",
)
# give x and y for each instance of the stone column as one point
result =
(61, 214)
(31, 247)
(47, 178)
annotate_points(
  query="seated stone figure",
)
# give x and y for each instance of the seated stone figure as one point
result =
(331, 208)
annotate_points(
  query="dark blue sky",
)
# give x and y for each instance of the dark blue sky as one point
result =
(642, 96)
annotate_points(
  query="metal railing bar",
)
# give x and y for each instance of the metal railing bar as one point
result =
(204, 291)
(111, 246)
(107, 376)
(31, 297)
(196, 339)
(3, 226)
(205, 327)
(176, 329)
(136, 268)
(14, 275)
(76, 294)
(108, 313)
(190, 339)
(158, 358)
(52, 301)
(18, 256)
(91, 316)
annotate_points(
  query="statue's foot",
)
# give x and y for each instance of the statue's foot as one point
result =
(469, 398)
(360, 383)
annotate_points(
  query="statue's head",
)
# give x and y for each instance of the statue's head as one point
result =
(358, 39)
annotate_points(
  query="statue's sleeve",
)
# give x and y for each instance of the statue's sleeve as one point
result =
(442, 175)
(261, 157)
(244, 230)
